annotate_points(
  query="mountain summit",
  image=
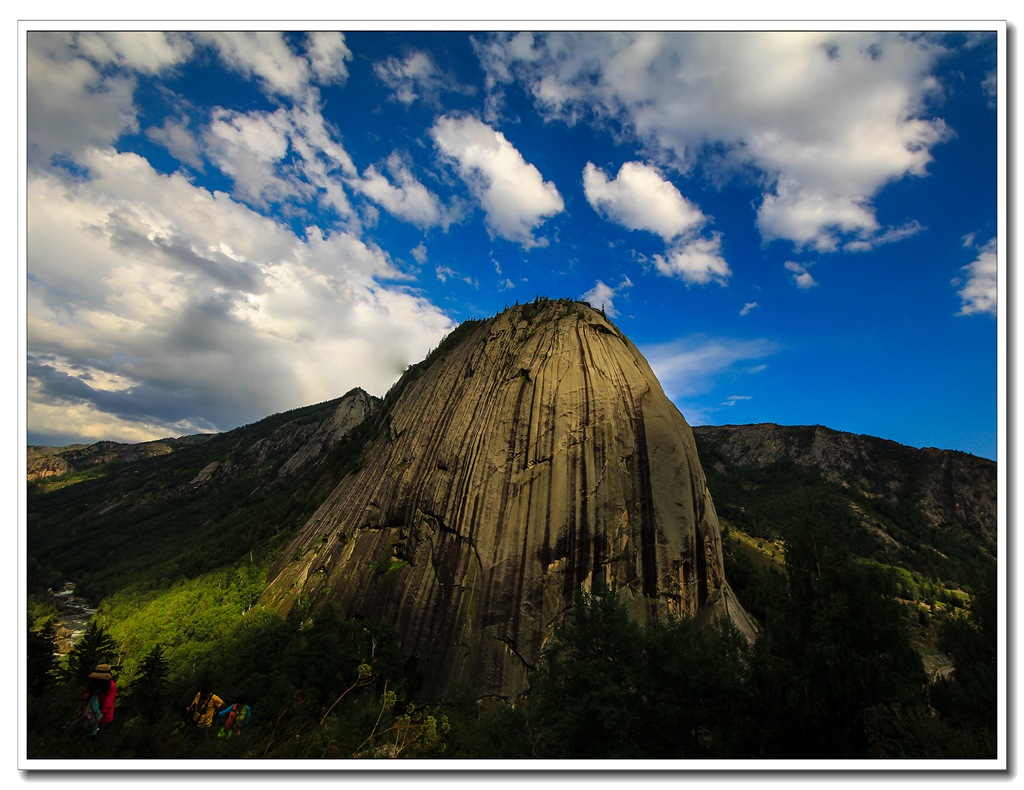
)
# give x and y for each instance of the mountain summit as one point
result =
(531, 456)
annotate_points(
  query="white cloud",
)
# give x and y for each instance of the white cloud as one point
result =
(602, 296)
(417, 77)
(888, 236)
(748, 307)
(263, 55)
(419, 253)
(287, 155)
(249, 147)
(980, 292)
(641, 198)
(71, 104)
(732, 400)
(825, 119)
(149, 52)
(515, 197)
(406, 198)
(801, 276)
(156, 308)
(176, 137)
(327, 53)
(696, 261)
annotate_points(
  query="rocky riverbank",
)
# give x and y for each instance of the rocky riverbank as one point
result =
(74, 614)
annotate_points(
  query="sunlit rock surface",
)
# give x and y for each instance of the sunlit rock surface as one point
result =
(531, 456)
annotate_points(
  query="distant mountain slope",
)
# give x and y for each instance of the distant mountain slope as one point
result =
(172, 509)
(47, 462)
(929, 510)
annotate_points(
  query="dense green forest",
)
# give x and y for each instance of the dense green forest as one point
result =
(853, 660)
(833, 675)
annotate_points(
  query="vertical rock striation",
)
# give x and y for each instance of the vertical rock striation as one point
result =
(531, 456)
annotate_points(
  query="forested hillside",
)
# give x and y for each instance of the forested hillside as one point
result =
(877, 627)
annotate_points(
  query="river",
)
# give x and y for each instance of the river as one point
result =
(73, 616)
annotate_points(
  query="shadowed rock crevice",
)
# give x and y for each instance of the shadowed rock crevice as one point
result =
(557, 466)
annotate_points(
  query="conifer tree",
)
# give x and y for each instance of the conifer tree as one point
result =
(95, 647)
(41, 663)
(147, 692)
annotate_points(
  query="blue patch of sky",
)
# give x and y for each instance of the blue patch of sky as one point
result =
(875, 346)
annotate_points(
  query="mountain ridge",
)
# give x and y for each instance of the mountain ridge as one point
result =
(273, 487)
(532, 457)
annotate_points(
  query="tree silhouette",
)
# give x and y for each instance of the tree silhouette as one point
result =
(41, 664)
(147, 693)
(95, 647)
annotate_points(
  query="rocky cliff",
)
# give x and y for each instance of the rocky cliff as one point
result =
(950, 489)
(532, 456)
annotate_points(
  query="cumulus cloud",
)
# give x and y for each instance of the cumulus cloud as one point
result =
(149, 52)
(249, 148)
(979, 286)
(513, 194)
(328, 53)
(178, 139)
(419, 253)
(157, 308)
(72, 104)
(801, 277)
(287, 155)
(602, 296)
(267, 58)
(641, 198)
(405, 197)
(261, 55)
(748, 307)
(696, 261)
(824, 119)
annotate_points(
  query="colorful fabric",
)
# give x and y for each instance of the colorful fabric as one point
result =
(235, 716)
(204, 709)
(106, 703)
(91, 716)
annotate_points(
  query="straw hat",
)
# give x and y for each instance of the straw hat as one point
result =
(102, 672)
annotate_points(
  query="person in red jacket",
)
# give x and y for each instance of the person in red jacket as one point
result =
(101, 685)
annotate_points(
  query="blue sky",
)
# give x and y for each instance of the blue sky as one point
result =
(794, 227)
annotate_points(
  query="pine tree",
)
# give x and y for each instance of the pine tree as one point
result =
(41, 664)
(95, 647)
(147, 692)
(835, 651)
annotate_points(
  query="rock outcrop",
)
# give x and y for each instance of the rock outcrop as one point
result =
(531, 456)
(44, 462)
(948, 487)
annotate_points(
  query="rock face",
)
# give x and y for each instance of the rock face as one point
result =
(531, 456)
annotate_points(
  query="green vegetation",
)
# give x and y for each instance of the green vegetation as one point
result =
(149, 524)
(319, 687)
(833, 675)
(177, 567)
(769, 502)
